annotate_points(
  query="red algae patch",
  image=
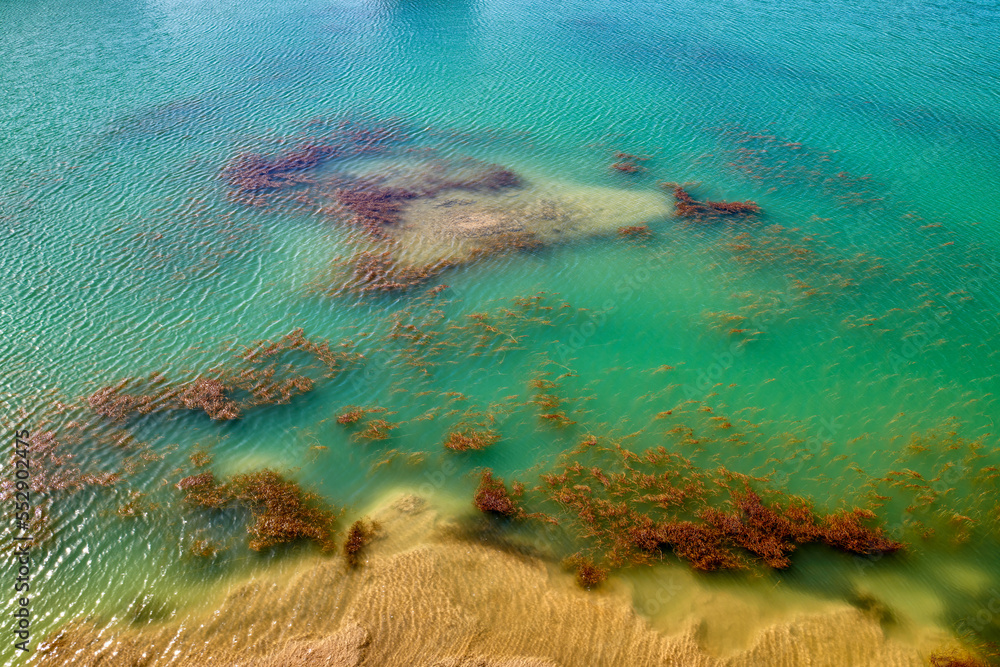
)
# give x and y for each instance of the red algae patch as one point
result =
(689, 207)
(588, 574)
(373, 271)
(281, 511)
(360, 534)
(629, 507)
(376, 429)
(492, 496)
(226, 392)
(351, 415)
(372, 207)
(627, 167)
(956, 659)
(464, 440)
(250, 173)
(634, 231)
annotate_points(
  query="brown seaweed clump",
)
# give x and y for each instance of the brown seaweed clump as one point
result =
(689, 207)
(379, 272)
(847, 531)
(251, 173)
(492, 496)
(359, 536)
(647, 502)
(203, 393)
(202, 548)
(376, 429)
(588, 574)
(282, 512)
(634, 230)
(351, 415)
(54, 467)
(228, 391)
(770, 533)
(210, 395)
(373, 206)
(627, 167)
(464, 440)
(956, 659)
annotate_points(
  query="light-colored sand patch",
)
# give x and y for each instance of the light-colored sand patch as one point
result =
(454, 603)
(455, 225)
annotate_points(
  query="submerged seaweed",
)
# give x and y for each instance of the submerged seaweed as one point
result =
(281, 511)
(632, 506)
(689, 207)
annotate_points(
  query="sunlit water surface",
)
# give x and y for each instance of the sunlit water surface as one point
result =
(867, 307)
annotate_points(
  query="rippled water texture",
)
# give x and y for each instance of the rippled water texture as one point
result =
(491, 223)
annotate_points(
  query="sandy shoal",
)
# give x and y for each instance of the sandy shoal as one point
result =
(422, 596)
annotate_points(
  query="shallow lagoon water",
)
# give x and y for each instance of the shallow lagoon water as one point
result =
(868, 286)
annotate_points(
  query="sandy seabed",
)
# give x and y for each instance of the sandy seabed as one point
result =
(423, 595)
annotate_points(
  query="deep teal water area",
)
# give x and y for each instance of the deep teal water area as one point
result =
(868, 133)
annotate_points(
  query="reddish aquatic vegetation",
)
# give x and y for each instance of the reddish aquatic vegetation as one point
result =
(956, 659)
(374, 206)
(376, 429)
(254, 172)
(297, 340)
(195, 481)
(588, 574)
(200, 458)
(202, 548)
(351, 415)
(700, 546)
(653, 500)
(379, 272)
(689, 207)
(762, 530)
(777, 160)
(492, 496)
(627, 167)
(471, 438)
(281, 512)
(634, 230)
(846, 531)
(734, 207)
(54, 468)
(493, 177)
(230, 390)
(359, 536)
(109, 403)
(210, 395)
(203, 490)
(557, 418)
(134, 506)
(547, 401)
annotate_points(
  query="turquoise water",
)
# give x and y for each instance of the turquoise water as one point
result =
(868, 288)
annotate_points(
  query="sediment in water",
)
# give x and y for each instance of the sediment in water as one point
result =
(425, 597)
